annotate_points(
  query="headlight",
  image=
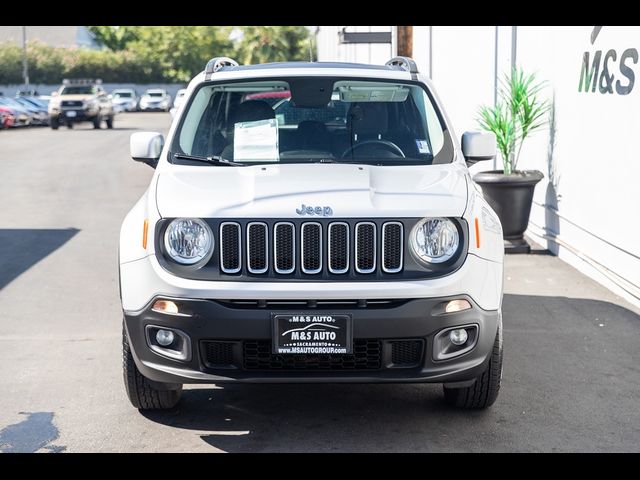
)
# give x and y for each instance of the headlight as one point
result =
(434, 240)
(188, 240)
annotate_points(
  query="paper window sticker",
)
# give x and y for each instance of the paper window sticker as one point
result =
(423, 146)
(256, 141)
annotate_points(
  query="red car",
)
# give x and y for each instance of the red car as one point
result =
(6, 117)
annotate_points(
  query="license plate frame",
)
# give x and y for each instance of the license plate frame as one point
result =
(312, 334)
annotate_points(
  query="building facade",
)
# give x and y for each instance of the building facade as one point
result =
(583, 209)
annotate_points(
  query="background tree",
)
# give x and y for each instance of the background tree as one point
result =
(273, 44)
(147, 54)
(181, 52)
(114, 38)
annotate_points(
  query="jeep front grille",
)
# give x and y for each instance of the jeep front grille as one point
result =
(339, 247)
(311, 248)
(365, 247)
(230, 247)
(284, 247)
(392, 248)
(257, 247)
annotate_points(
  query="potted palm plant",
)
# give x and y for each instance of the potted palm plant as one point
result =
(518, 113)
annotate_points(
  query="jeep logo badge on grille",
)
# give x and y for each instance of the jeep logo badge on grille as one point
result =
(319, 211)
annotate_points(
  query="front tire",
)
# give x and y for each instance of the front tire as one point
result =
(110, 122)
(484, 392)
(140, 391)
(96, 121)
(54, 123)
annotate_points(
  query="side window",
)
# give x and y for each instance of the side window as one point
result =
(434, 130)
(193, 119)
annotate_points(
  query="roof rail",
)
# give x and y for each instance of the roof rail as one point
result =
(403, 63)
(216, 63)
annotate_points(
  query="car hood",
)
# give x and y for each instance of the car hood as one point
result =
(153, 99)
(123, 100)
(17, 109)
(279, 191)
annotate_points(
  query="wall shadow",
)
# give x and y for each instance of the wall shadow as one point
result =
(551, 344)
(20, 249)
(552, 221)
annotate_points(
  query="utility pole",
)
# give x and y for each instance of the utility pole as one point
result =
(405, 40)
(25, 63)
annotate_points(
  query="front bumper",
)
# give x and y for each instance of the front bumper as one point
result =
(154, 107)
(410, 319)
(79, 116)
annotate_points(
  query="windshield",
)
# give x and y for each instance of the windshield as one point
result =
(79, 90)
(122, 94)
(311, 119)
(155, 94)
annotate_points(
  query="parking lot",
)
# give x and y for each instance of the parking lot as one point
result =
(571, 379)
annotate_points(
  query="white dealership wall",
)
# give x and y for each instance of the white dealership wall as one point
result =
(584, 209)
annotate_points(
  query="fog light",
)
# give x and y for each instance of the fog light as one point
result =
(166, 337)
(457, 306)
(458, 336)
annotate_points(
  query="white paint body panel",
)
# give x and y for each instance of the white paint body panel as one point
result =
(145, 278)
(276, 191)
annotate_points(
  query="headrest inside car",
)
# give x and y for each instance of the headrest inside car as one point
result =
(251, 111)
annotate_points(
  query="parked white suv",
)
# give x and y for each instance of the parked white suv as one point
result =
(311, 222)
(156, 99)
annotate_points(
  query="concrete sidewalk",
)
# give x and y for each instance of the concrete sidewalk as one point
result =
(572, 358)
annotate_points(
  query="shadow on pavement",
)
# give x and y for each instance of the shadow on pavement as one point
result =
(565, 361)
(20, 249)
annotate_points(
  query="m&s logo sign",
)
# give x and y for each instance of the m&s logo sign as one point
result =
(608, 73)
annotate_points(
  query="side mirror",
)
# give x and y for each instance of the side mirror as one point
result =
(146, 147)
(478, 146)
(54, 94)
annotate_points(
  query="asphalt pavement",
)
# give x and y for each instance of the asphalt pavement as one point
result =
(571, 379)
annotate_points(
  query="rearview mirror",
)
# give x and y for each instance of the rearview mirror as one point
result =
(478, 146)
(146, 147)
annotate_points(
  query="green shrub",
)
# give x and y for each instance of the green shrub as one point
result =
(49, 65)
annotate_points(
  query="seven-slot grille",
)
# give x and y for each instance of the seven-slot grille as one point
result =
(303, 247)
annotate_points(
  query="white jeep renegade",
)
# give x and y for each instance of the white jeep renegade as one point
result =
(311, 222)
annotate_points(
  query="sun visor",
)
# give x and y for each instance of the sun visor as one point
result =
(311, 92)
(377, 93)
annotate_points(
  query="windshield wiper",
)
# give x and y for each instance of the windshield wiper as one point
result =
(211, 160)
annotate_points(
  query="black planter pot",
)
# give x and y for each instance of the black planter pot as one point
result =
(510, 196)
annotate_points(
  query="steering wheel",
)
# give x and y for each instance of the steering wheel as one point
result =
(392, 147)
